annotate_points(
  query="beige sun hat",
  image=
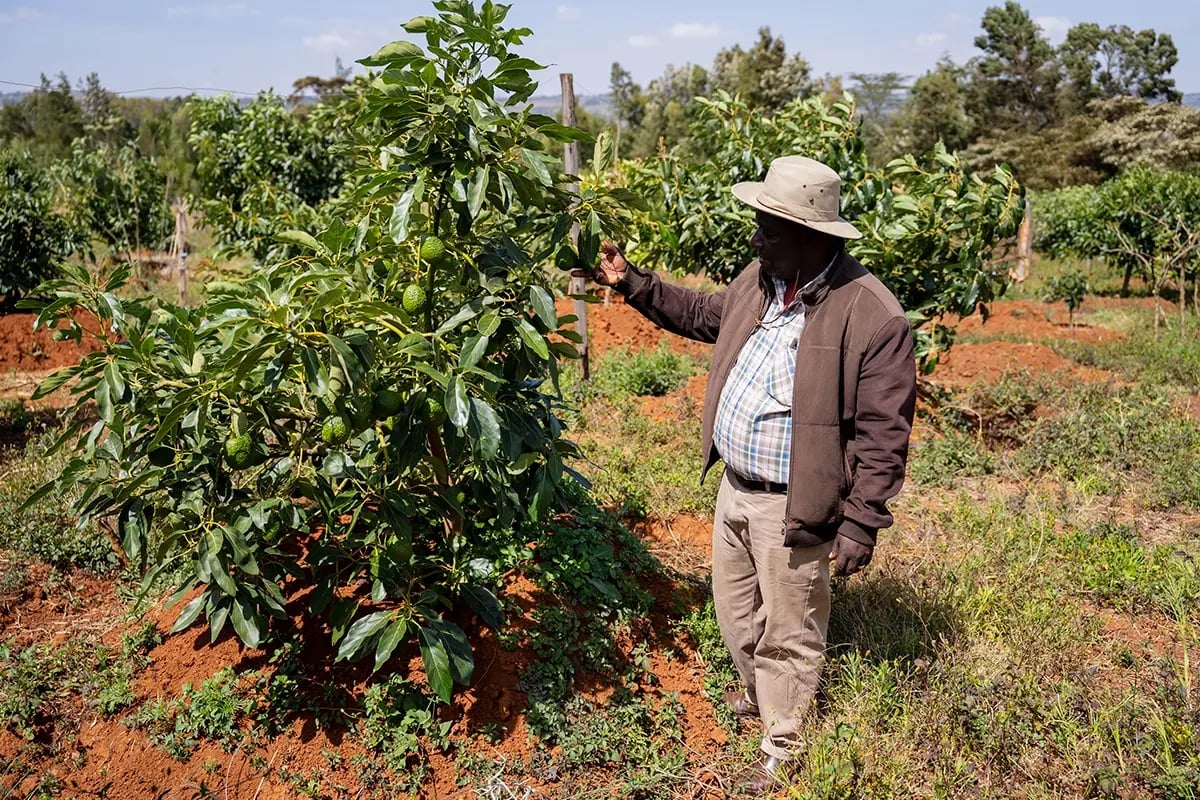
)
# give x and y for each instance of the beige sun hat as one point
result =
(801, 190)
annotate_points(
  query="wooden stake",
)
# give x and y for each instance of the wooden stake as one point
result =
(1024, 245)
(571, 167)
(179, 249)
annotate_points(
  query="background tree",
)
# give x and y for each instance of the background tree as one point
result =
(666, 109)
(629, 105)
(765, 75)
(262, 169)
(936, 111)
(1101, 63)
(34, 237)
(877, 97)
(1165, 136)
(46, 121)
(117, 195)
(322, 88)
(1015, 81)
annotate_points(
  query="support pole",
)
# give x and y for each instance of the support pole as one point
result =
(571, 167)
(179, 249)
(1024, 245)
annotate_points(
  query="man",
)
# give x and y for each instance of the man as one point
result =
(809, 404)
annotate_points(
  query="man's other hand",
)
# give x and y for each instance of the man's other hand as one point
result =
(611, 268)
(849, 556)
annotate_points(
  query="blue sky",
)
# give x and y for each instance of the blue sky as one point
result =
(256, 44)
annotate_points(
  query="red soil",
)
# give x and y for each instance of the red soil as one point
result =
(26, 350)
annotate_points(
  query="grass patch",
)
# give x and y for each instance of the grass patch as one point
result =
(654, 373)
(1161, 357)
(47, 531)
(42, 686)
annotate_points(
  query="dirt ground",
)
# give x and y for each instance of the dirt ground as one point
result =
(107, 755)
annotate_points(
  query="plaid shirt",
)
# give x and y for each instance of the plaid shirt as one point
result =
(753, 430)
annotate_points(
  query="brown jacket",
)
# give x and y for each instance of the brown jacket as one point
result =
(852, 411)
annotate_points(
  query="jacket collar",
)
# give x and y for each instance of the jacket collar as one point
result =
(818, 289)
(815, 290)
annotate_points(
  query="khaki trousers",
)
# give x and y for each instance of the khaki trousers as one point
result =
(772, 606)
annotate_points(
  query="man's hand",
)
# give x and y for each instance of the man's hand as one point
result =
(611, 268)
(849, 556)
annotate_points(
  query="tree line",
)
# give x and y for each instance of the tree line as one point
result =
(1101, 100)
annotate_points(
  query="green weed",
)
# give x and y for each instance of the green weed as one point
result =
(208, 712)
(643, 372)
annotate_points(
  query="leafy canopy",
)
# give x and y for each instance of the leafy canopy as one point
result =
(390, 453)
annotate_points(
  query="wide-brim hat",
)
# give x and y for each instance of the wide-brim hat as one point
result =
(801, 190)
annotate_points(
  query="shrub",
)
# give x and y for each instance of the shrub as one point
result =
(34, 237)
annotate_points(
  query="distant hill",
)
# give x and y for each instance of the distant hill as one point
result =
(1192, 99)
(598, 104)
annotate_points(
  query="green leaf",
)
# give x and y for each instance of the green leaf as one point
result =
(394, 51)
(543, 305)
(462, 661)
(537, 166)
(532, 339)
(402, 211)
(473, 350)
(116, 384)
(457, 407)
(388, 642)
(437, 664)
(189, 613)
(485, 428)
(302, 239)
(465, 313)
(360, 633)
(477, 191)
(488, 323)
(247, 623)
(486, 605)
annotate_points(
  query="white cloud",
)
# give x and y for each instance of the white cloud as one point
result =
(927, 41)
(21, 14)
(1055, 28)
(214, 11)
(326, 42)
(567, 13)
(955, 20)
(694, 30)
(642, 40)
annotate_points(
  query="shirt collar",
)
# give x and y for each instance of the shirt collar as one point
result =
(812, 287)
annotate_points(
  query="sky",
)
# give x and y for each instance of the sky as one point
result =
(245, 47)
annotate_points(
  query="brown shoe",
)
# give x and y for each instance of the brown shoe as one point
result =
(764, 777)
(741, 706)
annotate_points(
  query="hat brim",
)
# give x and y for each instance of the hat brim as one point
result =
(748, 192)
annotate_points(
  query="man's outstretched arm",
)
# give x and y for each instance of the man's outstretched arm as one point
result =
(686, 312)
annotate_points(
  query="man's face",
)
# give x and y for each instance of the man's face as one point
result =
(780, 245)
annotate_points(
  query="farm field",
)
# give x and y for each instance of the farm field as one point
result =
(1027, 629)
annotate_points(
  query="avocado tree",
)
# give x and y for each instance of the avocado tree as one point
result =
(1145, 222)
(352, 432)
(34, 236)
(116, 194)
